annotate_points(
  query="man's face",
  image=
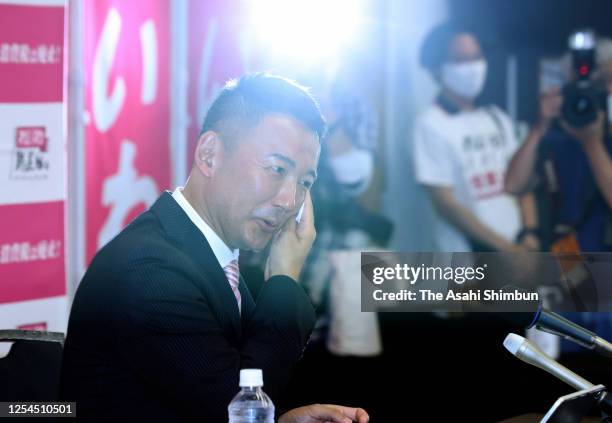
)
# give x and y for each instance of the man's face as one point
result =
(263, 179)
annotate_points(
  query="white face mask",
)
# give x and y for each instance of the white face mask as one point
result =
(465, 79)
(354, 168)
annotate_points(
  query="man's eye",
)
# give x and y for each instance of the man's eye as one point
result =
(279, 170)
(307, 184)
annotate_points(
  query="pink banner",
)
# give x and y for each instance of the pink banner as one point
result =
(217, 53)
(32, 167)
(32, 251)
(127, 65)
(31, 53)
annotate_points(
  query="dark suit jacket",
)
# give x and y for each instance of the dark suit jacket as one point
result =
(155, 334)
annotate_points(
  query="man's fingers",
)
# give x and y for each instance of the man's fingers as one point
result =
(362, 416)
(355, 414)
(328, 413)
(307, 219)
(290, 226)
(325, 413)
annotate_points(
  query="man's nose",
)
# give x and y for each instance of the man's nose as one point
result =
(286, 196)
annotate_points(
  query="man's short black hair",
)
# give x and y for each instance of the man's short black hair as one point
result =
(435, 47)
(243, 102)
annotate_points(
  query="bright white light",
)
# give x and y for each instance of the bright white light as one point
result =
(582, 40)
(305, 29)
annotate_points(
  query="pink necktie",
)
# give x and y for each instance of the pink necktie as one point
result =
(233, 277)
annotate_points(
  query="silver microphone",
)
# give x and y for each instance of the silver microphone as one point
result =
(529, 353)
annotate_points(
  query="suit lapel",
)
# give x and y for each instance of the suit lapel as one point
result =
(248, 304)
(193, 242)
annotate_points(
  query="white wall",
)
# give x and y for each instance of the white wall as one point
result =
(409, 90)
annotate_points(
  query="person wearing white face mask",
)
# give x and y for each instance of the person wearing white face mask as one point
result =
(466, 79)
(461, 151)
(344, 225)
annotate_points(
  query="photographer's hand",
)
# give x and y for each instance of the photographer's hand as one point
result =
(550, 107)
(592, 140)
(588, 135)
(520, 176)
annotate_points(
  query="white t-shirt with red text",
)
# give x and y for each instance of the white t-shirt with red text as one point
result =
(468, 151)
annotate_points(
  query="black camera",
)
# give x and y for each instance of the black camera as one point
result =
(583, 98)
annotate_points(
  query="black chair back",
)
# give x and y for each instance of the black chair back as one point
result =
(31, 370)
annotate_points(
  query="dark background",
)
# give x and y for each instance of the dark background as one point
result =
(529, 29)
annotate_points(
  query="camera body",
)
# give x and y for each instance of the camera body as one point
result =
(583, 98)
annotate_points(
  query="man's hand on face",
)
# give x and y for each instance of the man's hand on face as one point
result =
(292, 244)
(317, 413)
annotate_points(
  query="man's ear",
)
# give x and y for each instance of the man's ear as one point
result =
(208, 153)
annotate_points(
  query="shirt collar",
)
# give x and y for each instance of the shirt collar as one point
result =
(221, 251)
(446, 105)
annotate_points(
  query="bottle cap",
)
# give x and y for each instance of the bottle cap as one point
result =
(251, 377)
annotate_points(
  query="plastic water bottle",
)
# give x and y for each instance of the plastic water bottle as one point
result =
(251, 404)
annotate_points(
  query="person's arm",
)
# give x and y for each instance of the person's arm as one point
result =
(170, 326)
(319, 413)
(171, 336)
(287, 257)
(529, 218)
(520, 174)
(592, 140)
(602, 167)
(465, 220)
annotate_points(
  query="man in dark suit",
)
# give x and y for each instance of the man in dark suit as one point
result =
(161, 323)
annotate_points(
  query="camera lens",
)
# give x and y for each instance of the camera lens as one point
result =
(581, 102)
(582, 106)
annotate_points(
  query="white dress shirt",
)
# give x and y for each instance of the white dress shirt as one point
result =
(221, 251)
